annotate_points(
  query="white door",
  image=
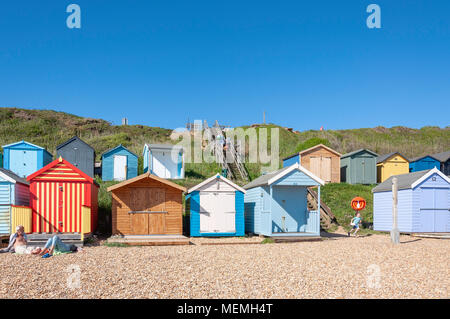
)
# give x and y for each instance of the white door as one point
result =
(120, 166)
(217, 212)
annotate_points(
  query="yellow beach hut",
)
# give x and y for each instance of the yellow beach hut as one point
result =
(391, 164)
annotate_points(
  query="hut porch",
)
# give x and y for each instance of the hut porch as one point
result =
(150, 240)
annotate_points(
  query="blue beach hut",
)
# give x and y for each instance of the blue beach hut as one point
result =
(14, 191)
(24, 158)
(276, 203)
(216, 208)
(423, 203)
(423, 163)
(119, 164)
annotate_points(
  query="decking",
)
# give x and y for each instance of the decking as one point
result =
(294, 237)
(40, 239)
(150, 240)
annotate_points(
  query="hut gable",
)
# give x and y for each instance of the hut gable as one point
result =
(423, 163)
(79, 153)
(147, 205)
(60, 170)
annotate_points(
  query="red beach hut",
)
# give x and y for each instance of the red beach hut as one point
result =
(63, 199)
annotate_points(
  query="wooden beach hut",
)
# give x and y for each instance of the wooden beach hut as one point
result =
(422, 163)
(24, 158)
(444, 159)
(423, 203)
(14, 192)
(276, 204)
(147, 205)
(216, 208)
(119, 164)
(320, 160)
(359, 167)
(391, 164)
(78, 153)
(166, 161)
(64, 199)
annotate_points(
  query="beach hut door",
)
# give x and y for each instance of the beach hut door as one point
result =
(217, 212)
(120, 163)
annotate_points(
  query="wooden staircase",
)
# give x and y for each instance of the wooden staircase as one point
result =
(327, 217)
(229, 159)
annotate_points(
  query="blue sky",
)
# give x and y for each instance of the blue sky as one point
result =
(306, 63)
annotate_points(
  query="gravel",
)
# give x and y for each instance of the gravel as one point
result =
(334, 268)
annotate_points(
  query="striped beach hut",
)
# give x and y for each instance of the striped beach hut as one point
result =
(63, 198)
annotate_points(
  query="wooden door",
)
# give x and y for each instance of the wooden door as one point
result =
(325, 169)
(148, 210)
(157, 223)
(315, 165)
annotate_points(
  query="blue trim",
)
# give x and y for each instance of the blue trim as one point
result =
(194, 201)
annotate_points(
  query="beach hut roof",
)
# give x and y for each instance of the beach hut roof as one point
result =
(143, 176)
(71, 140)
(272, 177)
(6, 174)
(359, 151)
(114, 148)
(217, 176)
(384, 157)
(410, 180)
(442, 157)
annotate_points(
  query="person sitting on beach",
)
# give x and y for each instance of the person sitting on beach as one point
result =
(55, 244)
(12, 239)
(20, 246)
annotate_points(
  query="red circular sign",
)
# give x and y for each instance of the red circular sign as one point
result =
(358, 203)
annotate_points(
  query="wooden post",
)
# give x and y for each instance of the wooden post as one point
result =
(395, 234)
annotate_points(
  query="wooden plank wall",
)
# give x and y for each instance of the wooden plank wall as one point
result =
(124, 201)
(335, 162)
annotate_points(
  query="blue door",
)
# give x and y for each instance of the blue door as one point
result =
(23, 162)
(288, 209)
(434, 210)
